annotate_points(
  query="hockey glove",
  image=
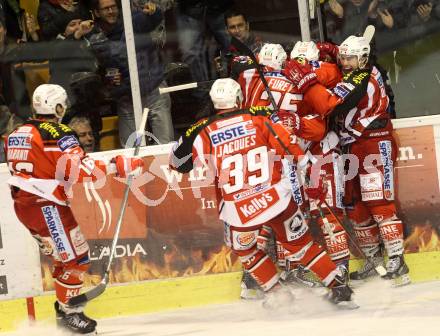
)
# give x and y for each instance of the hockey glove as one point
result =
(126, 166)
(300, 73)
(327, 51)
(290, 120)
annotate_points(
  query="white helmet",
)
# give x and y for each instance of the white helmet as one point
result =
(307, 50)
(47, 97)
(225, 92)
(272, 55)
(358, 46)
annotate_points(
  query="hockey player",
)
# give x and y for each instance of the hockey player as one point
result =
(328, 151)
(306, 128)
(238, 147)
(358, 109)
(45, 158)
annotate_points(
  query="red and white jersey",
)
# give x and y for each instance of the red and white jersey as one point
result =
(292, 109)
(45, 159)
(328, 74)
(246, 158)
(367, 118)
(283, 91)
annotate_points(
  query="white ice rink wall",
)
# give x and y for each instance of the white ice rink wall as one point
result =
(170, 254)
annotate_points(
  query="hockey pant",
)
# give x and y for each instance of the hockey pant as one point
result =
(292, 231)
(59, 237)
(372, 207)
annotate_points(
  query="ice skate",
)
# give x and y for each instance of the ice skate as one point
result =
(249, 288)
(397, 270)
(340, 295)
(301, 276)
(74, 320)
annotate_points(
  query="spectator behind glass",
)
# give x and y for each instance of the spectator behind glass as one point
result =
(108, 42)
(82, 127)
(13, 92)
(352, 16)
(193, 19)
(64, 23)
(21, 26)
(237, 25)
(424, 17)
(63, 19)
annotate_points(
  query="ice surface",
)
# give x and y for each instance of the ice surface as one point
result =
(411, 310)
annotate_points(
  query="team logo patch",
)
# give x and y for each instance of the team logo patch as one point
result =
(295, 227)
(20, 140)
(67, 142)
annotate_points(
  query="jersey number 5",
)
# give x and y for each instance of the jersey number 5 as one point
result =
(289, 100)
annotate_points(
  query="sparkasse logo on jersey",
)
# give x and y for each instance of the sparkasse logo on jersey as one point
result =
(233, 132)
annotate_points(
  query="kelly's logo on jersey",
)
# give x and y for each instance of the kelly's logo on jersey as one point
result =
(20, 140)
(233, 132)
(67, 142)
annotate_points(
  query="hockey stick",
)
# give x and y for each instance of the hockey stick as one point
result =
(369, 33)
(187, 86)
(379, 268)
(243, 49)
(100, 288)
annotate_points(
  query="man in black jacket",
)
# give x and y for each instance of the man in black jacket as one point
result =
(108, 43)
(194, 18)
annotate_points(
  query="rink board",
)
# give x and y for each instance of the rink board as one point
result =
(23, 274)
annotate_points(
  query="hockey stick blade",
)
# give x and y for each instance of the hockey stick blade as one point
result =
(188, 86)
(91, 294)
(369, 33)
(381, 270)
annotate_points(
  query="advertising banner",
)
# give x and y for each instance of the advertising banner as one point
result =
(171, 227)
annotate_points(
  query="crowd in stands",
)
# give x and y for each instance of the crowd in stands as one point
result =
(80, 45)
(396, 21)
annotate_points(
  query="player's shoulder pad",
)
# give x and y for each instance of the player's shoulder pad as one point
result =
(353, 82)
(357, 78)
(260, 111)
(64, 136)
(195, 129)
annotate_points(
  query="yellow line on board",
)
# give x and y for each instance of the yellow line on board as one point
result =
(168, 294)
